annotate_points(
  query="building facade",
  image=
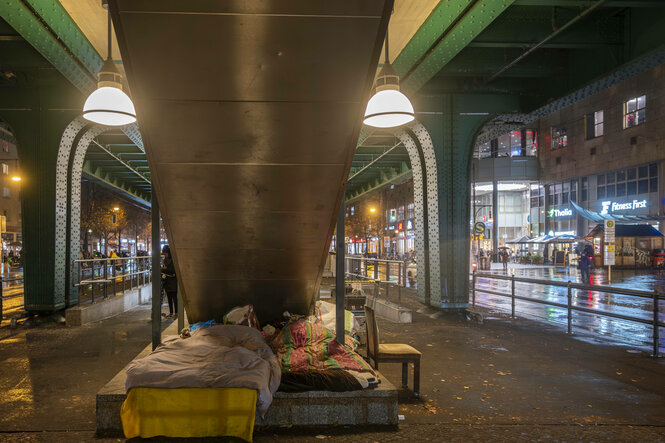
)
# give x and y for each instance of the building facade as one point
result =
(605, 154)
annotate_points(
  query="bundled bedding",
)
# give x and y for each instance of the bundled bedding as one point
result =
(311, 359)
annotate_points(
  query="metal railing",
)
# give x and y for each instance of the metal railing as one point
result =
(655, 296)
(4, 280)
(109, 275)
(394, 271)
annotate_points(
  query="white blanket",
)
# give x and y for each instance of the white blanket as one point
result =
(217, 357)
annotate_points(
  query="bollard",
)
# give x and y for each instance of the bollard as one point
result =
(570, 309)
(106, 277)
(473, 289)
(404, 273)
(512, 297)
(81, 289)
(656, 336)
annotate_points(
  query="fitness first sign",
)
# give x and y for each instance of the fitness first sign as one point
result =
(607, 207)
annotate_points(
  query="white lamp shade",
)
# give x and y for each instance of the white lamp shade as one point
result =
(109, 106)
(387, 109)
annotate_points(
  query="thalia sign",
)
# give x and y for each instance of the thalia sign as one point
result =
(567, 212)
(610, 206)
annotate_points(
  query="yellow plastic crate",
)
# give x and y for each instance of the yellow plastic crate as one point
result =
(189, 412)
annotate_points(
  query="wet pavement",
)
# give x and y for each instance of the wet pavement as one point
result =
(502, 380)
(629, 332)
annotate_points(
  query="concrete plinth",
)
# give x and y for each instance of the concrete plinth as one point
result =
(389, 311)
(376, 406)
(105, 308)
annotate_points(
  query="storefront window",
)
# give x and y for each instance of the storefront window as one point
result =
(559, 137)
(634, 111)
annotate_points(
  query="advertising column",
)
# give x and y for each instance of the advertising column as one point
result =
(609, 247)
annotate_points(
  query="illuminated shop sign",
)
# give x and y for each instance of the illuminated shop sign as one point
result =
(610, 206)
(400, 226)
(557, 233)
(560, 212)
(409, 225)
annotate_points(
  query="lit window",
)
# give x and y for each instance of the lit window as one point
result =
(634, 111)
(559, 137)
(5, 192)
(5, 169)
(594, 124)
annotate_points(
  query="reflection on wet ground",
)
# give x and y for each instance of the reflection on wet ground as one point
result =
(625, 305)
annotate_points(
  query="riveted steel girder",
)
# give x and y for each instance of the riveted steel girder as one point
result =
(57, 18)
(455, 37)
(44, 40)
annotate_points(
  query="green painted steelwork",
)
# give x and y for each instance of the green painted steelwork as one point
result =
(437, 23)
(57, 19)
(110, 180)
(22, 19)
(476, 19)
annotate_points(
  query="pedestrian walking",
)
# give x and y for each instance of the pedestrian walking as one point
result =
(170, 282)
(584, 263)
(504, 259)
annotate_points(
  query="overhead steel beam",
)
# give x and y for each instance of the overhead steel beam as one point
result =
(396, 179)
(474, 19)
(47, 26)
(119, 160)
(587, 3)
(101, 177)
(45, 40)
(559, 31)
(435, 25)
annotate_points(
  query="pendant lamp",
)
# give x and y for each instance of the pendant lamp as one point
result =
(108, 105)
(388, 107)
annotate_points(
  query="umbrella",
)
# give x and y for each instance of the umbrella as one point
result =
(15, 244)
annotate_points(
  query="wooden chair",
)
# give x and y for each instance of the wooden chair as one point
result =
(392, 353)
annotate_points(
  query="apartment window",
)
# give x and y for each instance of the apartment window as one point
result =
(5, 192)
(559, 137)
(5, 146)
(628, 182)
(594, 124)
(5, 169)
(400, 213)
(634, 111)
(410, 211)
(585, 189)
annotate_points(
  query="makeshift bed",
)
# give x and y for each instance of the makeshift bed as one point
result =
(212, 383)
(204, 385)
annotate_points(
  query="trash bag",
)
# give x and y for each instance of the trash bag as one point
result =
(242, 315)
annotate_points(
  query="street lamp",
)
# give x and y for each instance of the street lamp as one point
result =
(16, 178)
(388, 107)
(108, 105)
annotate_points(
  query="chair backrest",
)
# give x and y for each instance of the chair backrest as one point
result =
(372, 333)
